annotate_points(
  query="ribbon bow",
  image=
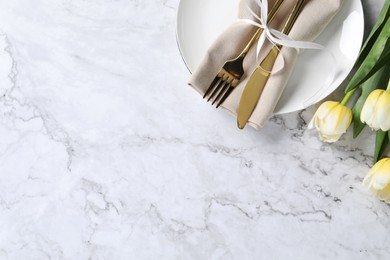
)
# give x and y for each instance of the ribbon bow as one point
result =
(278, 38)
(274, 36)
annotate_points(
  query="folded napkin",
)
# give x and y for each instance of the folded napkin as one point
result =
(314, 17)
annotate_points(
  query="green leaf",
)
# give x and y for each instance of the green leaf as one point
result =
(382, 139)
(377, 81)
(380, 63)
(383, 16)
(378, 51)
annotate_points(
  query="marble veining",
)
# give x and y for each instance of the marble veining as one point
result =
(106, 153)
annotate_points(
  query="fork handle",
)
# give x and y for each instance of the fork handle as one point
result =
(293, 17)
(256, 36)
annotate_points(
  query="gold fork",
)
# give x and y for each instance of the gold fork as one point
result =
(231, 72)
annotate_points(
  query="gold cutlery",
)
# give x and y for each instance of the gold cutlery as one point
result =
(259, 77)
(231, 72)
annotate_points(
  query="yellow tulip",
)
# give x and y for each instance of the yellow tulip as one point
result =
(376, 110)
(332, 120)
(378, 180)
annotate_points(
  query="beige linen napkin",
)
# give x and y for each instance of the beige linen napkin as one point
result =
(315, 16)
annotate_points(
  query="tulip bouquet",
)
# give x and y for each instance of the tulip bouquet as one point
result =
(371, 85)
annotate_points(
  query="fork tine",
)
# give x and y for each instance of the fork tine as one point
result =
(222, 92)
(211, 87)
(227, 94)
(216, 89)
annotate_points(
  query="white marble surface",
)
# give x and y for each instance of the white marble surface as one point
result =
(105, 153)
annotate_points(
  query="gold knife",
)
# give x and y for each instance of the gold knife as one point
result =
(259, 77)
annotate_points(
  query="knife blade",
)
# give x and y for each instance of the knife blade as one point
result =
(254, 87)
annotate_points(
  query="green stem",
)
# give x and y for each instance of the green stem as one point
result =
(388, 86)
(348, 97)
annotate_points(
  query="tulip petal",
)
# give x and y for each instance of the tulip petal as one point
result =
(383, 111)
(384, 194)
(378, 180)
(331, 120)
(311, 124)
(375, 110)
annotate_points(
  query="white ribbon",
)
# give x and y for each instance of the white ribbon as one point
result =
(278, 38)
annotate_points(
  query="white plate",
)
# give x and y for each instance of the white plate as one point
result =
(199, 22)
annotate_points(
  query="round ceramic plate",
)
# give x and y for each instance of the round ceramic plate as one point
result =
(199, 22)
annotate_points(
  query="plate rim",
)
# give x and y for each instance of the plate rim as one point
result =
(177, 37)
